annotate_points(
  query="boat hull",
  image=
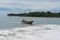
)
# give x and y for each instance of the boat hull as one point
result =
(27, 22)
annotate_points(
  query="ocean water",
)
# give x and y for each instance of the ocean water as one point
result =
(7, 22)
(41, 29)
(39, 32)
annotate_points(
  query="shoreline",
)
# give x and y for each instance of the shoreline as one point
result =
(30, 16)
(36, 14)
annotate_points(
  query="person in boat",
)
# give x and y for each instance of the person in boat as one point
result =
(27, 22)
(23, 20)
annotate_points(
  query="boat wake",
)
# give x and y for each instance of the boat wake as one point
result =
(39, 32)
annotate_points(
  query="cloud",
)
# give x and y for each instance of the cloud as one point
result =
(44, 5)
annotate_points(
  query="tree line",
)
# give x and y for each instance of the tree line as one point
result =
(37, 14)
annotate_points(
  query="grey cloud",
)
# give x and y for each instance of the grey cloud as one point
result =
(30, 4)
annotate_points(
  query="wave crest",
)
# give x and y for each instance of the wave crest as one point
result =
(39, 32)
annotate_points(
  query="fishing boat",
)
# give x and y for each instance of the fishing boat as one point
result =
(26, 22)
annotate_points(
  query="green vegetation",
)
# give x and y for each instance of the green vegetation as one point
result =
(37, 14)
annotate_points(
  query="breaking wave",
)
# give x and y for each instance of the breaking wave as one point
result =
(39, 32)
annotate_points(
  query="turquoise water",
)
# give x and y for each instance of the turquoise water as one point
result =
(7, 22)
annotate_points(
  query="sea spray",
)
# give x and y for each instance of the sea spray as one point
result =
(38, 32)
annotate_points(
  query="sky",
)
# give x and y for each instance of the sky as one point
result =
(29, 5)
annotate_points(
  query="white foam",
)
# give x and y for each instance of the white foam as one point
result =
(40, 32)
(6, 32)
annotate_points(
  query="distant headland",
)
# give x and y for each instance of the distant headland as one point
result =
(36, 14)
